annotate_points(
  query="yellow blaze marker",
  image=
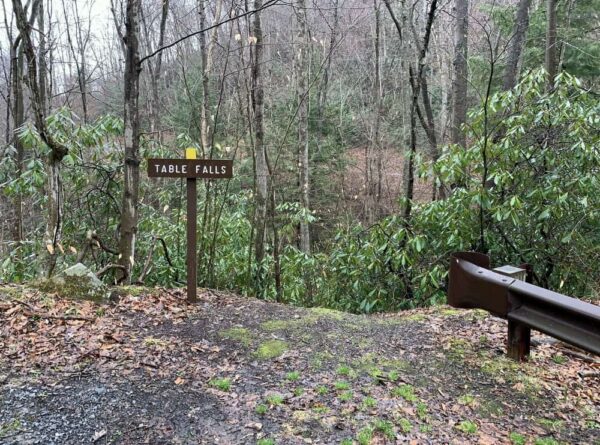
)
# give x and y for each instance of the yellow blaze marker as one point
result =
(190, 153)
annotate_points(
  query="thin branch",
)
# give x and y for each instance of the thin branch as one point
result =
(195, 33)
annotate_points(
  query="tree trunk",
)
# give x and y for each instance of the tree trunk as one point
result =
(206, 51)
(373, 158)
(303, 105)
(511, 71)
(459, 84)
(260, 158)
(324, 84)
(551, 51)
(155, 80)
(416, 81)
(42, 66)
(131, 168)
(18, 117)
(37, 87)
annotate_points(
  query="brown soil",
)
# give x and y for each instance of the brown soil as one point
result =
(392, 176)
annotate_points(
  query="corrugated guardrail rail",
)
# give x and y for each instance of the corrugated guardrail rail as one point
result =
(473, 285)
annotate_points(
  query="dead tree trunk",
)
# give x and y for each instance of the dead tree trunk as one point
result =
(131, 168)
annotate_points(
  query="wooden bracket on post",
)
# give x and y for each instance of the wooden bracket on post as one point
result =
(519, 341)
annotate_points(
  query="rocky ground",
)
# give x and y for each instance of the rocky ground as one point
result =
(152, 369)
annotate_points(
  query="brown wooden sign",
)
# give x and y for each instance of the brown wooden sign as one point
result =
(191, 168)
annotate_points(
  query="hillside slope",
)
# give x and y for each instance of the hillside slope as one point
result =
(231, 370)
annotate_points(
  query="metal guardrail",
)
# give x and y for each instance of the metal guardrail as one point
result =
(525, 306)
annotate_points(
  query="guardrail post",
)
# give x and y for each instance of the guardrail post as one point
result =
(519, 341)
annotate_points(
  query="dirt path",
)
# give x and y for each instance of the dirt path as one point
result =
(232, 370)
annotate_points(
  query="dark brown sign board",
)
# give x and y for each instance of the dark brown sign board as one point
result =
(191, 169)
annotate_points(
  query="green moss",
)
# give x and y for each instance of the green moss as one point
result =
(365, 436)
(9, 428)
(346, 396)
(425, 428)
(458, 348)
(13, 292)
(517, 439)
(302, 416)
(466, 399)
(407, 392)
(405, 425)
(242, 335)
(292, 376)
(552, 424)
(369, 403)
(421, 410)
(415, 317)
(221, 384)
(385, 427)
(499, 366)
(322, 390)
(320, 359)
(341, 385)
(271, 349)
(467, 427)
(277, 325)
(135, 291)
(364, 343)
(395, 363)
(450, 312)
(328, 313)
(275, 399)
(344, 370)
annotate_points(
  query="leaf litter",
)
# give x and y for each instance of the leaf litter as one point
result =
(140, 371)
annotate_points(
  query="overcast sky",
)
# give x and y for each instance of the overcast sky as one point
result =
(100, 13)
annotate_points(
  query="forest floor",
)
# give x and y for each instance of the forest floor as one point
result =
(152, 369)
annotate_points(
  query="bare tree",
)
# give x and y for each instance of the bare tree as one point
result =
(37, 88)
(301, 65)
(78, 45)
(373, 155)
(324, 83)
(131, 167)
(459, 84)
(16, 110)
(260, 156)
(206, 53)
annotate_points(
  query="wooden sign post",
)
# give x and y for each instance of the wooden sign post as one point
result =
(191, 169)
